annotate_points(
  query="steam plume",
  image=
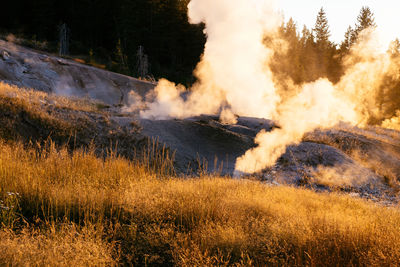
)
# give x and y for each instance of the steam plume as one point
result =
(318, 105)
(233, 70)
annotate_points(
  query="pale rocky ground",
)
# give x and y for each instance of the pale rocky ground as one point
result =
(32, 69)
(361, 162)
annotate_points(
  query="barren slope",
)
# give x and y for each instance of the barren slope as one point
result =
(32, 69)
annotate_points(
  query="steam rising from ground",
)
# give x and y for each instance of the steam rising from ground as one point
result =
(343, 175)
(317, 105)
(232, 73)
(234, 78)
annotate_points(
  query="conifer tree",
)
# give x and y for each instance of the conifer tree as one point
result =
(290, 29)
(394, 48)
(307, 37)
(121, 59)
(308, 56)
(321, 30)
(324, 48)
(365, 20)
(347, 42)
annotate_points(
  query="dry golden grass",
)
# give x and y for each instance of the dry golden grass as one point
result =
(65, 247)
(14, 108)
(28, 115)
(33, 98)
(118, 210)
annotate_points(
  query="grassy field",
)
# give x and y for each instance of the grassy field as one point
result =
(63, 208)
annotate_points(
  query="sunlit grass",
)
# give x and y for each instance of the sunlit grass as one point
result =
(65, 246)
(33, 98)
(139, 215)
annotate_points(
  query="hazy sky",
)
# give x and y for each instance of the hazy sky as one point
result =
(342, 13)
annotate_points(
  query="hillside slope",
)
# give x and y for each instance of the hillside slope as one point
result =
(25, 67)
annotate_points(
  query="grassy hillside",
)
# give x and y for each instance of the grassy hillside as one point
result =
(31, 116)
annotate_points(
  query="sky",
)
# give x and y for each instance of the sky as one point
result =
(343, 13)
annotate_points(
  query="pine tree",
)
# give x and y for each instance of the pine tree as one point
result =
(347, 42)
(308, 56)
(121, 59)
(365, 20)
(324, 48)
(394, 48)
(307, 37)
(321, 30)
(293, 61)
(290, 30)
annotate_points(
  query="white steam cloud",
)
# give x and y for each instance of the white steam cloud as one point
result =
(233, 68)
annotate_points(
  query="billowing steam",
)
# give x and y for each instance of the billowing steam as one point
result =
(232, 73)
(234, 79)
(317, 105)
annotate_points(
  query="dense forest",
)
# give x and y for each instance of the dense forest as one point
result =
(153, 39)
(119, 34)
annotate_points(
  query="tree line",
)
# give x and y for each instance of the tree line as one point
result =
(311, 55)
